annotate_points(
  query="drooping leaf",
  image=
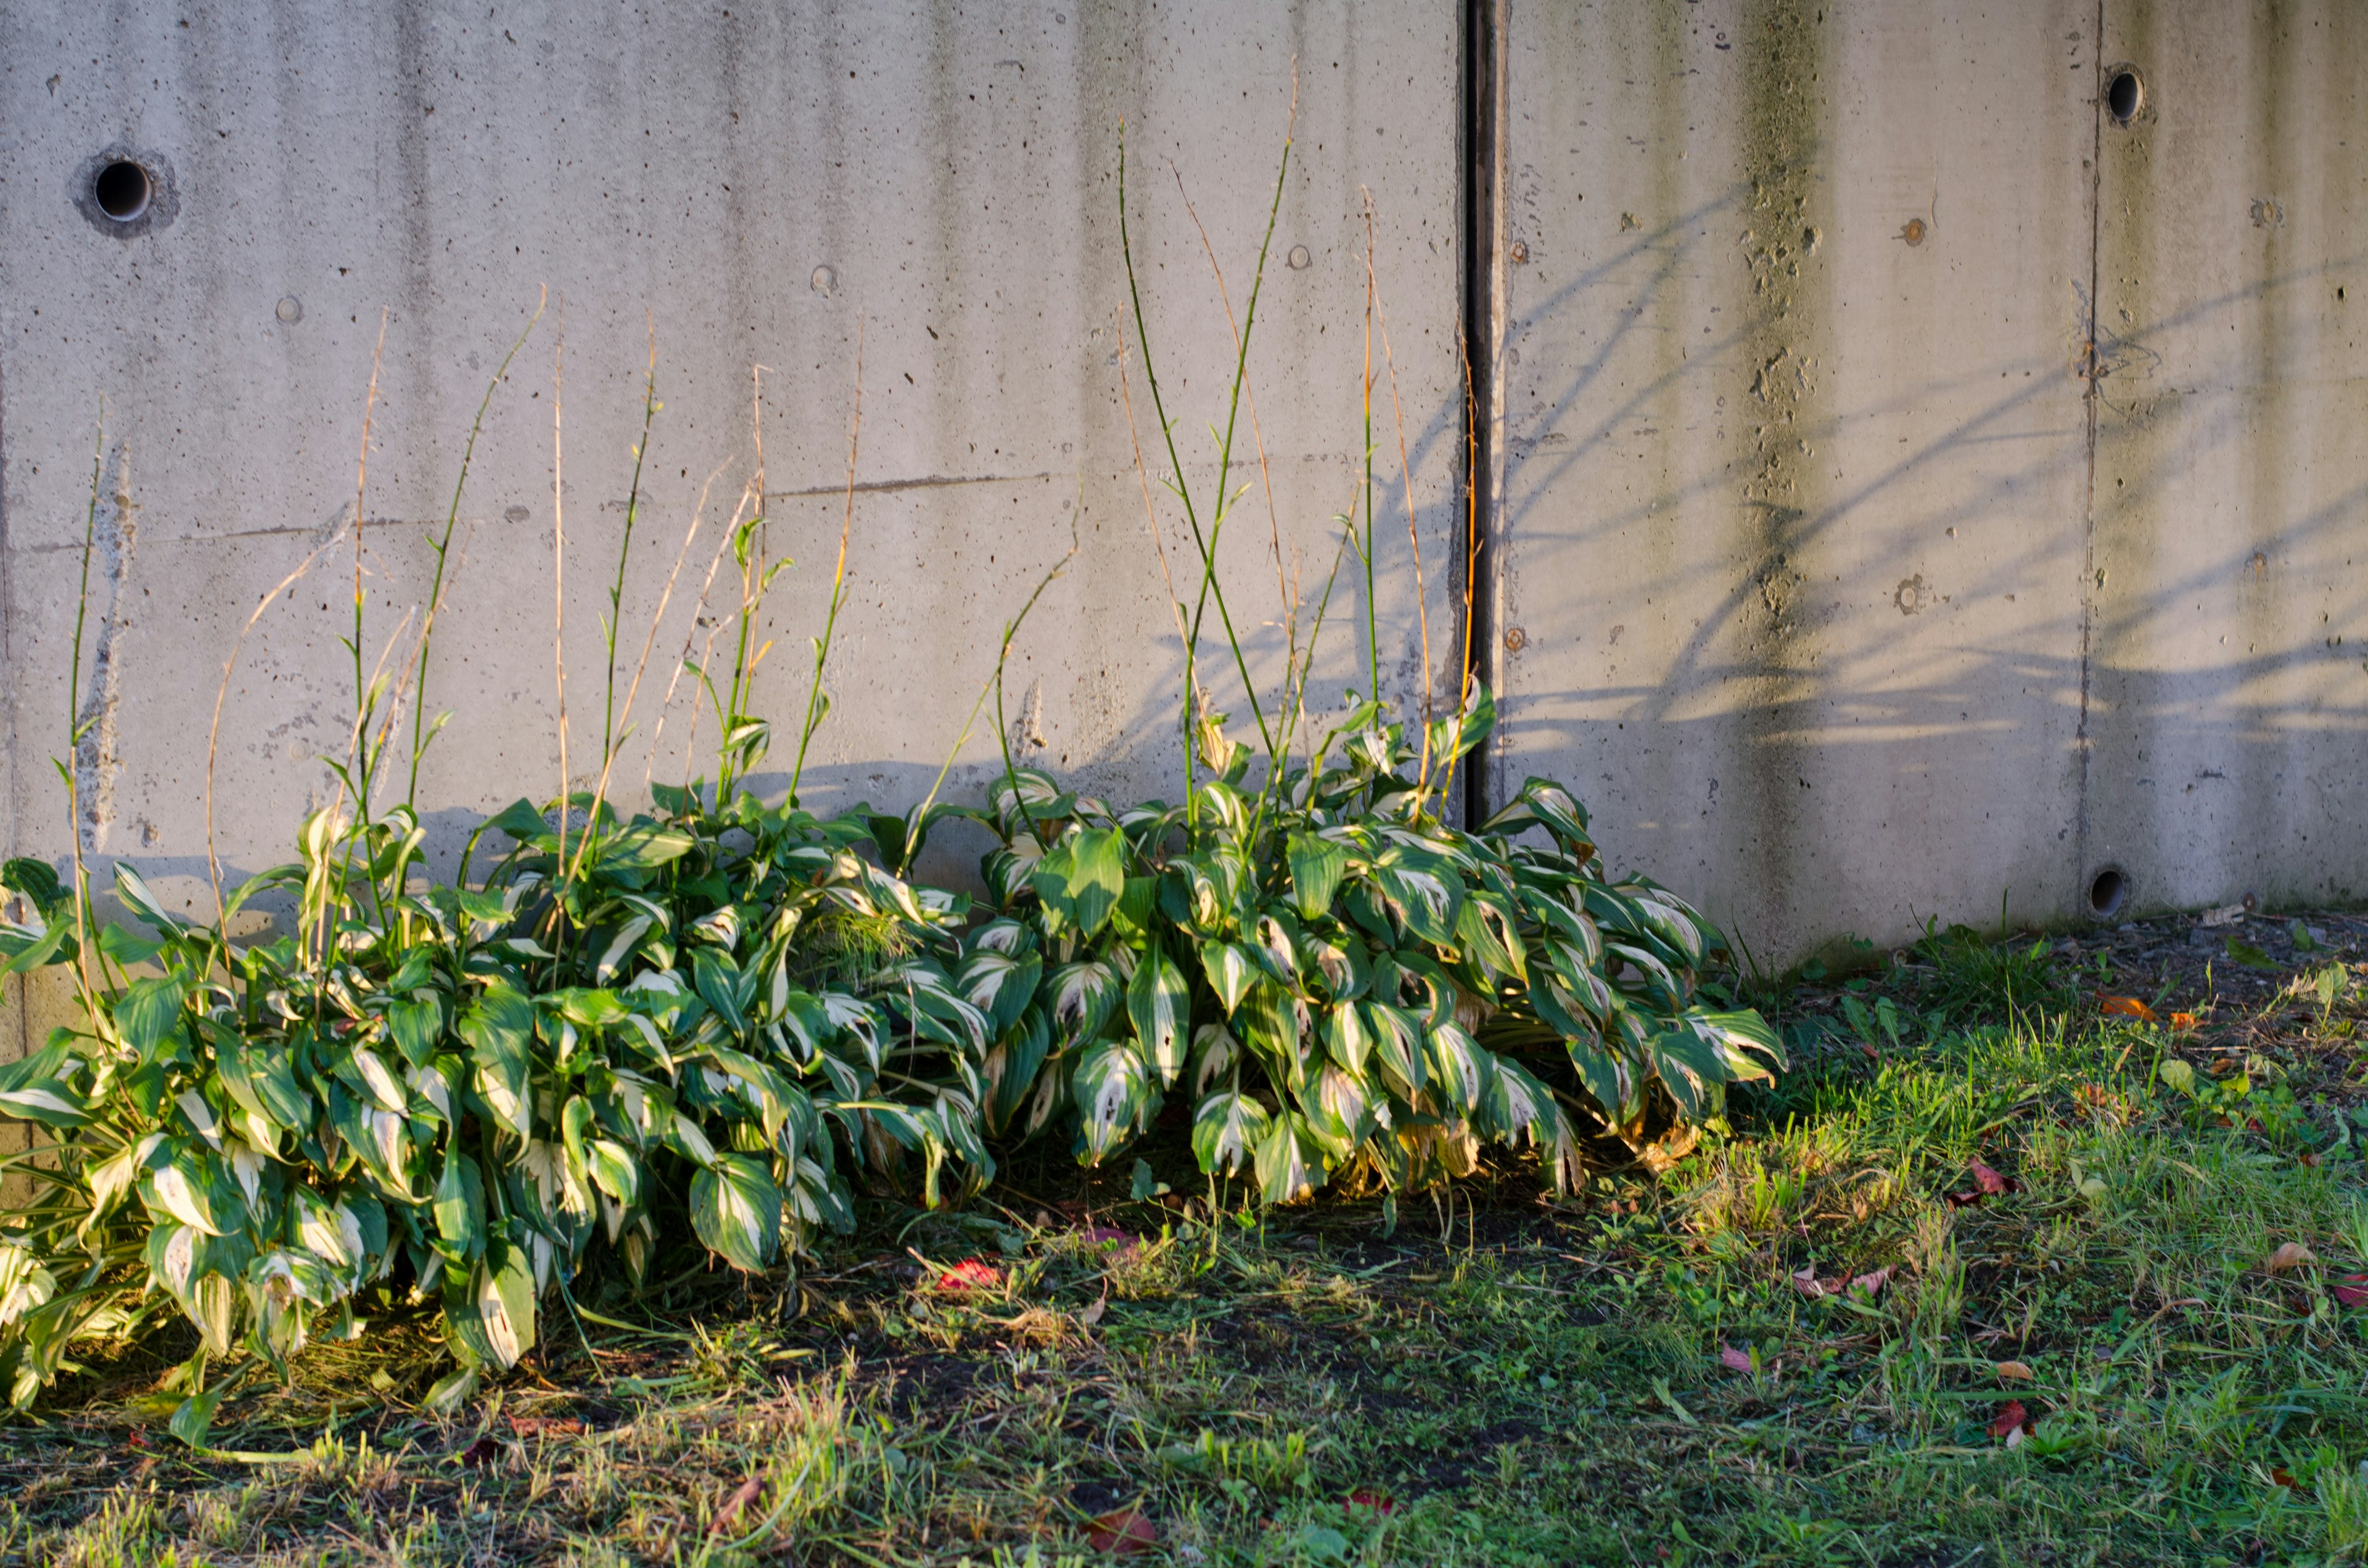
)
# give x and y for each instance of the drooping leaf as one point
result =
(1114, 1088)
(1158, 1004)
(736, 1211)
(1227, 1131)
(1318, 865)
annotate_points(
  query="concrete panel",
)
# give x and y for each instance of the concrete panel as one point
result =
(2229, 592)
(755, 188)
(1794, 454)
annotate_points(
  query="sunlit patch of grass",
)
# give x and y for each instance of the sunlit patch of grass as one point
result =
(1490, 1383)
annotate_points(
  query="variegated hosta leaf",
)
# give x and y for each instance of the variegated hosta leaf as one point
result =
(1461, 1073)
(1227, 1131)
(736, 1211)
(1215, 1053)
(25, 1284)
(1422, 889)
(1084, 997)
(1231, 971)
(1342, 1112)
(1115, 1087)
(1158, 1004)
(1291, 1163)
(1737, 1035)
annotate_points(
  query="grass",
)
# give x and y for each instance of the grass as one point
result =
(1639, 1376)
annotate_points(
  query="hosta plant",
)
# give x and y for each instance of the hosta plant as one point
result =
(603, 1035)
(1339, 982)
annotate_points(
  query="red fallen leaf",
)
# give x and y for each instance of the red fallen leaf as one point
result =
(740, 1499)
(2351, 1291)
(1805, 1281)
(485, 1450)
(1736, 1361)
(1366, 1497)
(1122, 1532)
(550, 1426)
(1992, 1182)
(2278, 1474)
(1873, 1281)
(2129, 1007)
(970, 1274)
(2011, 1423)
(137, 1439)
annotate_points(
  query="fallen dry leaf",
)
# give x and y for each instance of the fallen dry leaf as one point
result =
(2351, 1291)
(1805, 1281)
(2015, 1372)
(740, 1499)
(1873, 1281)
(2285, 1478)
(2011, 1421)
(1122, 1532)
(1990, 1181)
(2182, 1021)
(2289, 1257)
(1987, 1183)
(970, 1274)
(1736, 1361)
(546, 1425)
(1093, 1314)
(2129, 1007)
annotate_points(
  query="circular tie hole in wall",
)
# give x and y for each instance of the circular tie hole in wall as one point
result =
(2109, 892)
(121, 191)
(2125, 96)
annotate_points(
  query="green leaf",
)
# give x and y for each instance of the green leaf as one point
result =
(52, 948)
(52, 1103)
(736, 1211)
(1605, 1074)
(502, 1298)
(148, 1010)
(1316, 867)
(36, 881)
(1465, 1072)
(521, 822)
(1084, 997)
(133, 891)
(499, 1028)
(460, 1207)
(1227, 1131)
(1115, 1095)
(1158, 1003)
(451, 1391)
(1289, 1160)
(718, 980)
(645, 846)
(1422, 889)
(195, 1415)
(416, 1027)
(2251, 956)
(1231, 973)
(1097, 877)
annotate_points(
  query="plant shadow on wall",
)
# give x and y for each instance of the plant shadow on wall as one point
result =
(618, 1043)
(1763, 682)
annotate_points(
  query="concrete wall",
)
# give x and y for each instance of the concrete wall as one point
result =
(758, 185)
(1911, 488)
(1831, 565)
